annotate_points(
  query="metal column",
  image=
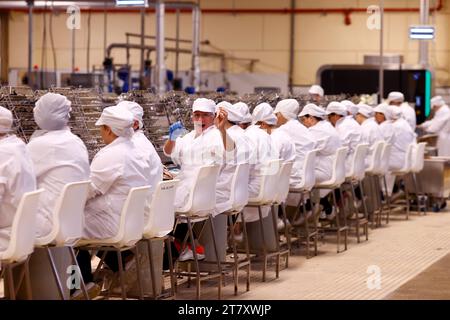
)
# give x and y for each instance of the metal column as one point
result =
(142, 67)
(292, 47)
(160, 69)
(381, 74)
(30, 40)
(423, 44)
(195, 67)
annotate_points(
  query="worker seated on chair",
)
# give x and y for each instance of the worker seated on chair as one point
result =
(59, 157)
(370, 130)
(205, 145)
(115, 169)
(327, 142)
(146, 147)
(397, 99)
(16, 175)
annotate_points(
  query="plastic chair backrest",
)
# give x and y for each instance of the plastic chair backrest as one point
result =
(407, 166)
(309, 174)
(269, 181)
(284, 178)
(68, 216)
(339, 165)
(162, 212)
(418, 157)
(383, 167)
(239, 186)
(375, 157)
(131, 225)
(202, 198)
(23, 230)
(357, 170)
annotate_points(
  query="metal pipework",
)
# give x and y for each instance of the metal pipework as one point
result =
(423, 44)
(30, 4)
(381, 74)
(195, 66)
(160, 69)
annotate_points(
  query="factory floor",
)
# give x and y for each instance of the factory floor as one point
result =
(406, 259)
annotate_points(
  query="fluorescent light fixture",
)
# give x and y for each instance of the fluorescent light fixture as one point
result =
(421, 32)
(131, 3)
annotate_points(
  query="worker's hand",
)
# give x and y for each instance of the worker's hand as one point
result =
(175, 130)
(221, 119)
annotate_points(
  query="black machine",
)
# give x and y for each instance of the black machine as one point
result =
(414, 83)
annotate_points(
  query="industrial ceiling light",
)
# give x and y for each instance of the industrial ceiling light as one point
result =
(131, 3)
(421, 32)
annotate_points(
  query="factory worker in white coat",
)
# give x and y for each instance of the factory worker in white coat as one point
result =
(316, 93)
(262, 151)
(352, 109)
(383, 116)
(397, 99)
(59, 157)
(205, 145)
(264, 117)
(326, 137)
(144, 145)
(115, 169)
(16, 175)
(348, 129)
(440, 125)
(370, 130)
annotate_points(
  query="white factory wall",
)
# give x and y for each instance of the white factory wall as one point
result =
(320, 39)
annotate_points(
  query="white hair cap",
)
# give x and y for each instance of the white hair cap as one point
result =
(313, 110)
(6, 120)
(135, 109)
(289, 108)
(351, 107)
(52, 111)
(316, 89)
(384, 109)
(235, 112)
(264, 112)
(437, 101)
(119, 119)
(204, 105)
(396, 96)
(337, 108)
(365, 110)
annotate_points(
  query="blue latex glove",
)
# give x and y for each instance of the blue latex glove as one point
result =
(176, 130)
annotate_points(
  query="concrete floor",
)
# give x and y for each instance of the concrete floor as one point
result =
(402, 260)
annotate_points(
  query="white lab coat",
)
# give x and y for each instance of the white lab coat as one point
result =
(403, 136)
(240, 154)
(192, 152)
(59, 157)
(16, 177)
(327, 141)
(387, 130)
(283, 144)
(370, 134)
(350, 133)
(440, 124)
(115, 169)
(262, 151)
(409, 114)
(303, 142)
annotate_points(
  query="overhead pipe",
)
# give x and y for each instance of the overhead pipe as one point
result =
(381, 71)
(195, 65)
(141, 71)
(423, 44)
(30, 40)
(160, 69)
(135, 35)
(292, 47)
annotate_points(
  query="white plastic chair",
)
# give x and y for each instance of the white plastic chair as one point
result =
(417, 166)
(21, 243)
(304, 188)
(131, 228)
(238, 200)
(335, 182)
(160, 223)
(199, 207)
(267, 195)
(373, 179)
(355, 176)
(381, 170)
(67, 227)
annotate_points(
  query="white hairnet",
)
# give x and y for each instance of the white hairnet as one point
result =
(437, 101)
(264, 112)
(204, 105)
(365, 110)
(135, 109)
(384, 109)
(235, 113)
(52, 111)
(119, 119)
(313, 110)
(289, 108)
(6, 120)
(316, 89)
(351, 107)
(337, 108)
(396, 96)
